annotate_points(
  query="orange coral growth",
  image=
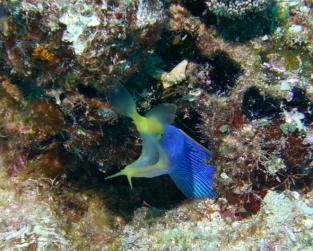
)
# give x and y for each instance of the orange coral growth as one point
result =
(42, 53)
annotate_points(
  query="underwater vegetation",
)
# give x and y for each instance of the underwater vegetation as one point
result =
(227, 90)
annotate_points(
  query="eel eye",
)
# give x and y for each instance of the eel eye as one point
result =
(160, 135)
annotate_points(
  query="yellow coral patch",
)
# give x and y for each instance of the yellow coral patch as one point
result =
(41, 53)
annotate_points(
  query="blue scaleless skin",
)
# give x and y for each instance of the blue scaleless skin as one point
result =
(166, 149)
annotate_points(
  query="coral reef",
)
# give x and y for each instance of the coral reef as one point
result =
(236, 8)
(240, 74)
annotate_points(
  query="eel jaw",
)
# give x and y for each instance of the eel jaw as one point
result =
(126, 171)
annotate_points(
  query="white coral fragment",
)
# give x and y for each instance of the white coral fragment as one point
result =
(76, 26)
(148, 13)
(175, 76)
